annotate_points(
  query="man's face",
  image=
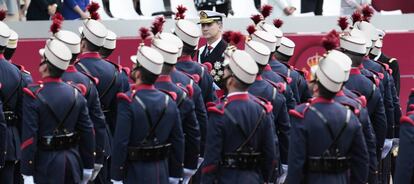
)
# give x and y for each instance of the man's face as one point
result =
(211, 30)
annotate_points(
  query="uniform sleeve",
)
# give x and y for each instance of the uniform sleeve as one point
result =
(214, 148)
(87, 137)
(191, 130)
(389, 106)
(201, 114)
(396, 75)
(121, 140)
(405, 160)
(270, 148)
(297, 151)
(370, 141)
(206, 84)
(70, 3)
(359, 155)
(98, 120)
(290, 99)
(177, 140)
(305, 94)
(125, 83)
(283, 128)
(3, 137)
(378, 118)
(30, 127)
(397, 108)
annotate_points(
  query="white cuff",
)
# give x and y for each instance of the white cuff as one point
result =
(28, 179)
(173, 180)
(116, 182)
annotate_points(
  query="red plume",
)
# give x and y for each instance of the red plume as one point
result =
(144, 33)
(180, 12)
(227, 36)
(236, 37)
(343, 23)
(367, 12)
(331, 41)
(266, 10)
(157, 25)
(278, 23)
(58, 16)
(356, 17)
(2, 15)
(93, 10)
(251, 29)
(256, 18)
(56, 25)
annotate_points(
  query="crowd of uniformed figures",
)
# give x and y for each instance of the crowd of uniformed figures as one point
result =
(216, 114)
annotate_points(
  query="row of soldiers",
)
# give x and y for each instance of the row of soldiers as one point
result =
(235, 116)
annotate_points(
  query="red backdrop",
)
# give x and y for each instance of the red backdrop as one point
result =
(395, 44)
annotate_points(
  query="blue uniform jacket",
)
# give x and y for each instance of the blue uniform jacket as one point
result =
(3, 137)
(404, 171)
(224, 136)
(39, 121)
(309, 136)
(190, 126)
(102, 134)
(132, 127)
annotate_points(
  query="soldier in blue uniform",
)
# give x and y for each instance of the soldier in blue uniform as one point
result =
(12, 80)
(73, 76)
(3, 140)
(57, 137)
(404, 164)
(184, 102)
(146, 135)
(264, 89)
(340, 155)
(354, 46)
(241, 140)
(189, 34)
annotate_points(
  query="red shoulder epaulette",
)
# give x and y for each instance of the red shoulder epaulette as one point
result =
(406, 119)
(363, 101)
(190, 90)
(80, 87)
(353, 108)
(32, 90)
(411, 107)
(126, 70)
(264, 103)
(286, 78)
(123, 96)
(22, 69)
(279, 86)
(194, 77)
(410, 112)
(297, 114)
(172, 94)
(379, 74)
(215, 109)
(389, 71)
(93, 79)
(208, 66)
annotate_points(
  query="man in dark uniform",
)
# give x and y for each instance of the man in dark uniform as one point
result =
(184, 102)
(146, 135)
(264, 89)
(403, 168)
(241, 140)
(190, 33)
(73, 76)
(340, 155)
(212, 53)
(3, 138)
(12, 81)
(57, 137)
(353, 45)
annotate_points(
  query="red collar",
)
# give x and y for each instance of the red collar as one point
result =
(2, 56)
(242, 97)
(340, 93)
(321, 100)
(185, 58)
(355, 71)
(164, 78)
(90, 55)
(143, 87)
(71, 69)
(51, 79)
(259, 77)
(267, 68)
(273, 57)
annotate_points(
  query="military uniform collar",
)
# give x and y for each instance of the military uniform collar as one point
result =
(164, 78)
(267, 68)
(185, 58)
(51, 79)
(143, 87)
(340, 93)
(90, 55)
(237, 96)
(259, 78)
(71, 69)
(321, 100)
(2, 56)
(355, 71)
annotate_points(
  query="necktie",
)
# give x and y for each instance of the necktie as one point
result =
(209, 48)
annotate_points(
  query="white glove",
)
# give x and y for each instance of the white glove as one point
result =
(96, 169)
(28, 179)
(87, 175)
(187, 175)
(117, 182)
(200, 161)
(281, 179)
(172, 180)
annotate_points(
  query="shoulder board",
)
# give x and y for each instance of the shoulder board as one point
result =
(190, 90)
(123, 96)
(208, 66)
(392, 60)
(352, 107)
(264, 103)
(301, 72)
(92, 78)
(373, 78)
(172, 94)
(377, 74)
(215, 109)
(194, 77)
(118, 67)
(185, 90)
(32, 89)
(406, 119)
(126, 70)
(389, 71)
(384, 65)
(361, 98)
(286, 78)
(210, 104)
(22, 69)
(299, 111)
(279, 86)
(80, 87)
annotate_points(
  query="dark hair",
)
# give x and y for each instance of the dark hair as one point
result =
(53, 70)
(90, 46)
(323, 92)
(240, 85)
(282, 57)
(188, 49)
(8, 53)
(2, 49)
(355, 57)
(166, 68)
(74, 57)
(105, 52)
(261, 68)
(146, 76)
